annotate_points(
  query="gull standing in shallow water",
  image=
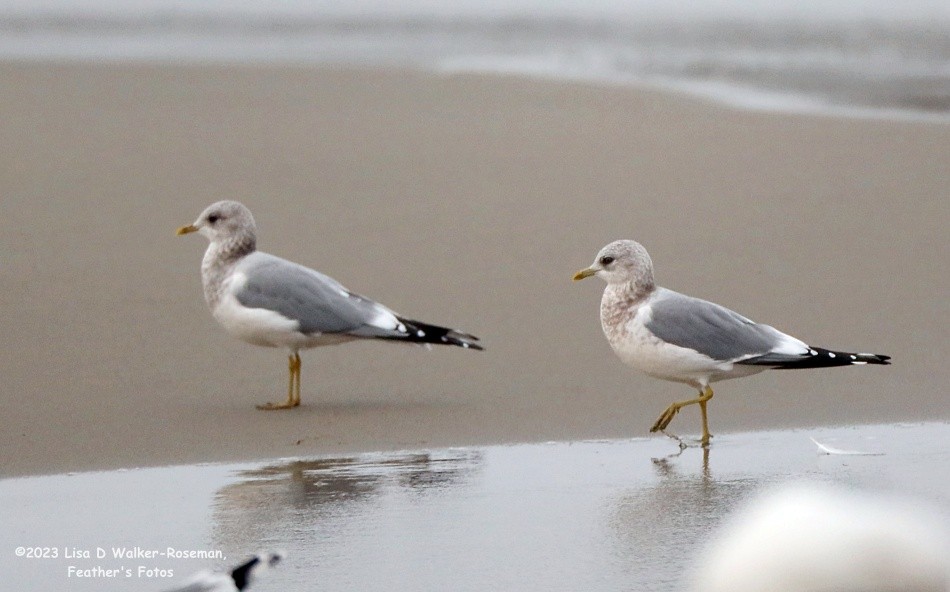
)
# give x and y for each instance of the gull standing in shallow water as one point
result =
(675, 337)
(272, 302)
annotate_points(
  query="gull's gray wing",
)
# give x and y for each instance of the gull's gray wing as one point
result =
(318, 302)
(708, 328)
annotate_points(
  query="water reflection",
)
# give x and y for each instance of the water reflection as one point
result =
(279, 502)
(659, 530)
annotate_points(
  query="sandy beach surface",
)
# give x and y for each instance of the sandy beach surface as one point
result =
(467, 201)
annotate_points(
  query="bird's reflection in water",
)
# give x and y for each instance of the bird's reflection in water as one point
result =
(659, 529)
(281, 504)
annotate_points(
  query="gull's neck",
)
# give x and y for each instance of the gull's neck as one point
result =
(219, 260)
(637, 287)
(622, 300)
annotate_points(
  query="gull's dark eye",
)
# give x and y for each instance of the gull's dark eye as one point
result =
(213, 218)
(606, 260)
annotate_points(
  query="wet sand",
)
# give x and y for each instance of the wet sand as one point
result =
(467, 201)
(599, 516)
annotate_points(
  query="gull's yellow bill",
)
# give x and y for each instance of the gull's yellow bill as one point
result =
(584, 273)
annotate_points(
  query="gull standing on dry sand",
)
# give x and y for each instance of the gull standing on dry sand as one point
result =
(272, 302)
(675, 337)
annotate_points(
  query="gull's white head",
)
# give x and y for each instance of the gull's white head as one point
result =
(620, 262)
(224, 221)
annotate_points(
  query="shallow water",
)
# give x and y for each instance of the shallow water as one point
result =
(873, 57)
(604, 515)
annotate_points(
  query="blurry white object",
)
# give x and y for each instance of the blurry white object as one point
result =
(234, 580)
(811, 538)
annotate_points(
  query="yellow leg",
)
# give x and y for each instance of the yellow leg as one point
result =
(295, 362)
(702, 411)
(293, 388)
(667, 416)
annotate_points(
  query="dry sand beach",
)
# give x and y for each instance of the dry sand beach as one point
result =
(461, 200)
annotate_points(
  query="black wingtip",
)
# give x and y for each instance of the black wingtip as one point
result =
(424, 333)
(861, 358)
(822, 358)
(467, 344)
(243, 574)
(817, 357)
